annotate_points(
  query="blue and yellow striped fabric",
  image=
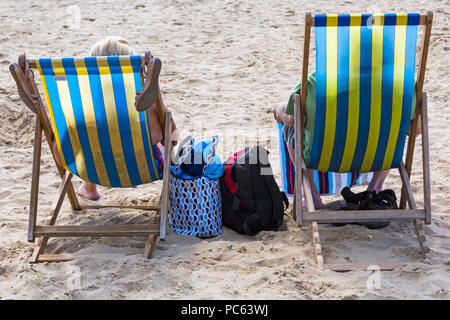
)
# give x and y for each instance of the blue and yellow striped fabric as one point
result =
(364, 88)
(100, 136)
(327, 183)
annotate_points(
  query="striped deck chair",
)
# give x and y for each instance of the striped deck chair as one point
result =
(94, 132)
(365, 67)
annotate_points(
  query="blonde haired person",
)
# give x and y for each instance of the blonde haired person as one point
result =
(118, 46)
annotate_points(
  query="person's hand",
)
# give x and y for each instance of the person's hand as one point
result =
(278, 112)
(419, 127)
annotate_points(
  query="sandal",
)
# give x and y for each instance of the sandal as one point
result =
(369, 200)
(147, 97)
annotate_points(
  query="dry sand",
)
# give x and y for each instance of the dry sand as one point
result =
(225, 64)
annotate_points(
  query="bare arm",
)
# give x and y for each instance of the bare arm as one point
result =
(280, 116)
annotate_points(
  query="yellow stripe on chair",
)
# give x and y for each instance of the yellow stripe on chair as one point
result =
(397, 91)
(113, 122)
(376, 86)
(91, 123)
(353, 92)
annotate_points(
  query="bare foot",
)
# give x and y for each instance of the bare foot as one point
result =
(88, 191)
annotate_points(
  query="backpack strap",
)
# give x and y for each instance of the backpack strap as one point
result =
(285, 200)
(273, 189)
(243, 183)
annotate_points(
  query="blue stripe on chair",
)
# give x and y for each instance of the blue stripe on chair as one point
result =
(364, 97)
(135, 63)
(390, 19)
(316, 180)
(320, 20)
(343, 20)
(330, 181)
(342, 89)
(365, 19)
(408, 91)
(284, 163)
(75, 96)
(386, 99)
(321, 98)
(413, 19)
(147, 146)
(60, 120)
(102, 123)
(124, 121)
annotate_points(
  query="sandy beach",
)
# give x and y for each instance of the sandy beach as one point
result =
(225, 64)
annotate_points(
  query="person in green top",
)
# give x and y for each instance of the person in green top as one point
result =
(284, 113)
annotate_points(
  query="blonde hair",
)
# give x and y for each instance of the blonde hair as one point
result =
(112, 46)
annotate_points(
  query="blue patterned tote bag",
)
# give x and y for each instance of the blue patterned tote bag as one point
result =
(195, 200)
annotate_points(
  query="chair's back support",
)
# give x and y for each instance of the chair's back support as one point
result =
(364, 90)
(100, 136)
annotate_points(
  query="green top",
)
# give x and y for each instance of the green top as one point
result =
(310, 110)
(310, 96)
(310, 100)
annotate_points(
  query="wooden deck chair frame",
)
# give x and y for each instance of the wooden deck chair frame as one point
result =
(29, 93)
(413, 214)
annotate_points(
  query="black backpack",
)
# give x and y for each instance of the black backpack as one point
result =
(251, 199)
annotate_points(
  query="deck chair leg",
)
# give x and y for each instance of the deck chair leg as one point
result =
(150, 246)
(426, 160)
(299, 119)
(151, 241)
(316, 243)
(166, 173)
(314, 225)
(418, 227)
(409, 157)
(294, 208)
(71, 195)
(35, 180)
(54, 211)
(73, 198)
(163, 204)
(298, 162)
